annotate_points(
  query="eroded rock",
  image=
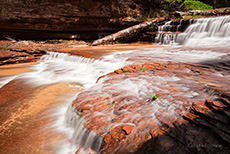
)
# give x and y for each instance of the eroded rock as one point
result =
(187, 116)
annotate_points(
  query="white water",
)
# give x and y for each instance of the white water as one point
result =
(202, 32)
(165, 35)
(60, 67)
(207, 32)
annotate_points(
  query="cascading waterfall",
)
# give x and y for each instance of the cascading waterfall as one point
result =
(168, 32)
(207, 32)
(165, 35)
(202, 32)
(61, 67)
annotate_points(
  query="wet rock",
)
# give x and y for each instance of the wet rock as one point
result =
(128, 129)
(188, 116)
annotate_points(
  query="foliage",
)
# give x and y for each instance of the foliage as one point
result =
(155, 97)
(172, 1)
(153, 26)
(195, 5)
(125, 70)
(143, 69)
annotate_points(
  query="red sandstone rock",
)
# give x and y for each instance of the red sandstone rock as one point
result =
(183, 107)
(128, 129)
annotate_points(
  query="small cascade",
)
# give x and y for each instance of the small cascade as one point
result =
(60, 67)
(202, 32)
(83, 139)
(207, 32)
(168, 32)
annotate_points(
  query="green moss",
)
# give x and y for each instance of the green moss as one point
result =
(143, 69)
(195, 5)
(125, 70)
(155, 97)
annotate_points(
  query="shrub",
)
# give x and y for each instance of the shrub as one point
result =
(195, 5)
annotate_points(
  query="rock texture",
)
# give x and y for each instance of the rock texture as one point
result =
(36, 19)
(18, 52)
(160, 107)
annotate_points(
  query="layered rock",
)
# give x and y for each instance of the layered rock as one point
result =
(18, 52)
(36, 19)
(160, 108)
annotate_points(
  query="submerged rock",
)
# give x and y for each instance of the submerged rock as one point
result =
(188, 115)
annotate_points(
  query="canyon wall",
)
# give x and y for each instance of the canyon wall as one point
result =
(80, 19)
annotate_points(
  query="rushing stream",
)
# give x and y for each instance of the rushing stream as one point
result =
(84, 72)
(203, 32)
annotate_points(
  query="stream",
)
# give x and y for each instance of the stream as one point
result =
(45, 93)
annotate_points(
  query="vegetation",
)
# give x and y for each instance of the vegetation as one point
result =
(153, 26)
(125, 70)
(142, 69)
(155, 97)
(172, 1)
(195, 5)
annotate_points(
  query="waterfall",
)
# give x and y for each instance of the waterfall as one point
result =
(60, 67)
(207, 32)
(168, 32)
(202, 32)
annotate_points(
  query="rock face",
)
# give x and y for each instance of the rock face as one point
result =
(18, 54)
(160, 107)
(65, 18)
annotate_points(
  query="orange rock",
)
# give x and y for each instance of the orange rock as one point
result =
(78, 151)
(161, 93)
(119, 71)
(128, 129)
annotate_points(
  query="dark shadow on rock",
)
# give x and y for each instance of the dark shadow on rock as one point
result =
(208, 133)
(222, 64)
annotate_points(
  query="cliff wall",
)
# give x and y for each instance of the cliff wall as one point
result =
(66, 18)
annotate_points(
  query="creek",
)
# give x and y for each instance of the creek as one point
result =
(205, 41)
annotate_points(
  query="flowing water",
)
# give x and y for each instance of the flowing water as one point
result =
(203, 32)
(82, 73)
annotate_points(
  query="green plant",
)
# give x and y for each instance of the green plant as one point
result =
(79, 113)
(195, 5)
(125, 70)
(172, 1)
(155, 97)
(113, 104)
(143, 69)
